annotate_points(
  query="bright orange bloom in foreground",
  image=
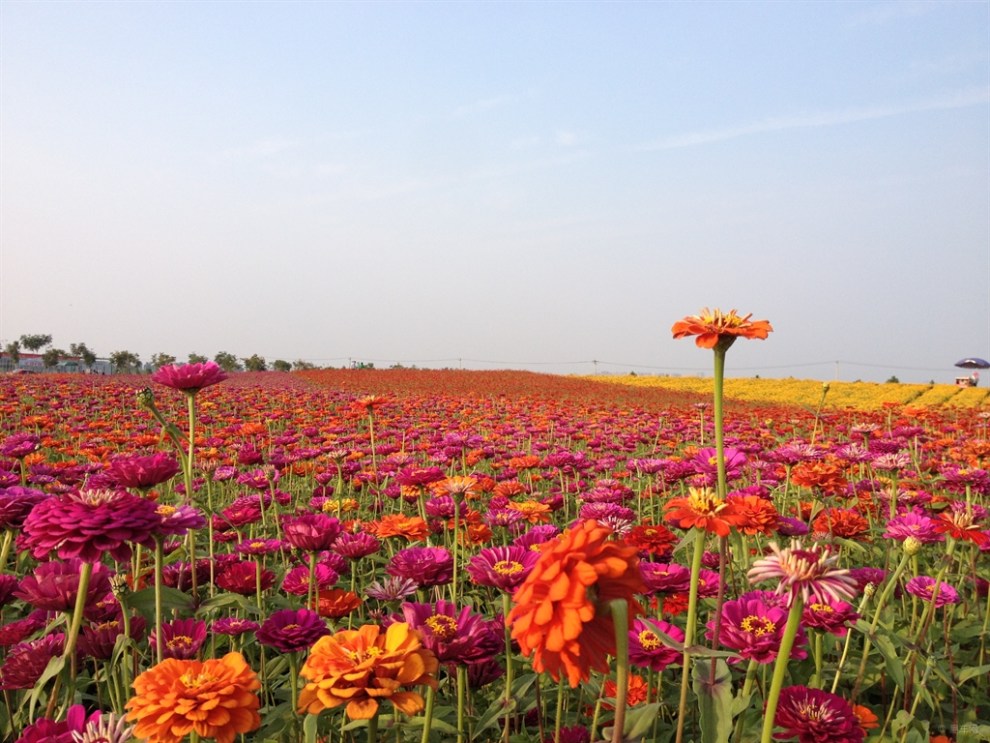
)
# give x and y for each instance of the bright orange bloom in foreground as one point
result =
(361, 667)
(841, 522)
(702, 508)
(714, 326)
(754, 515)
(561, 614)
(336, 603)
(214, 698)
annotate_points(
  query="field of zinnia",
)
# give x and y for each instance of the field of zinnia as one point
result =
(416, 556)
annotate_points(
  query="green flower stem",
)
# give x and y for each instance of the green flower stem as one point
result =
(867, 643)
(817, 681)
(559, 715)
(453, 549)
(311, 590)
(188, 469)
(507, 703)
(461, 703)
(85, 571)
(780, 667)
(159, 560)
(746, 691)
(8, 541)
(294, 683)
(720, 421)
(692, 619)
(620, 618)
(373, 729)
(431, 698)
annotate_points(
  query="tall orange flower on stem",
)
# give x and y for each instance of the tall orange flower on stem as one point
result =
(561, 615)
(216, 699)
(716, 328)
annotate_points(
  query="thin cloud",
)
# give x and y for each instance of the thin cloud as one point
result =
(961, 99)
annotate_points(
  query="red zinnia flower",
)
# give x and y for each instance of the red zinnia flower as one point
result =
(714, 327)
(813, 716)
(190, 378)
(704, 509)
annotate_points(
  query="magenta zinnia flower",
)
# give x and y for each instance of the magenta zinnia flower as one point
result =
(242, 577)
(142, 471)
(290, 630)
(26, 661)
(16, 503)
(502, 567)
(830, 616)
(428, 566)
(454, 636)
(53, 586)
(815, 716)
(19, 445)
(391, 588)
(808, 573)
(647, 650)
(233, 626)
(99, 640)
(356, 546)
(924, 586)
(177, 520)
(913, 524)
(90, 524)
(665, 578)
(754, 629)
(75, 723)
(296, 581)
(312, 532)
(181, 638)
(190, 378)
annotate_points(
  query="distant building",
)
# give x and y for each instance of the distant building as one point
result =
(32, 362)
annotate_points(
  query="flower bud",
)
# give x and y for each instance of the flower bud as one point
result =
(912, 546)
(146, 398)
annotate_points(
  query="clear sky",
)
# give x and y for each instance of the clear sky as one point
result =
(503, 184)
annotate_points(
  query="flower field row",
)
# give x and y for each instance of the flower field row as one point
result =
(403, 555)
(855, 395)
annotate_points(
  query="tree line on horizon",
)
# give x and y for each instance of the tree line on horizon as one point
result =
(130, 362)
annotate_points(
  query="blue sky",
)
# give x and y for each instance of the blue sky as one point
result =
(529, 185)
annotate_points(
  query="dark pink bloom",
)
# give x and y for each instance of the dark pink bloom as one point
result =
(27, 661)
(290, 630)
(181, 638)
(233, 626)
(647, 650)
(815, 716)
(754, 629)
(915, 524)
(923, 586)
(190, 378)
(830, 616)
(16, 503)
(454, 636)
(142, 471)
(356, 546)
(99, 640)
(54, 585)
(44, 730)
(242, 577)
(176, 521)
(296, 581)
(91, 524)
(665, 578)
(428, 566)
(502, 567)
(19, 445)
(8, 584)
(312, 532)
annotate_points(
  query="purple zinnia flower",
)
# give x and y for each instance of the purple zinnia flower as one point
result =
(190, 378)
(233, 626)
(537, 536)
(814, 716)
(754, 630)
(915, 524)
(428, 566)
(16, 503)
(296, 581)
(99, 640)
(290, 630)
(502, 567)
(356, 546)
(27, 661)
(665, 578)
(177, 520)
(76, 723)
(8, 584)
(90, 524)
(142, 471)
(19, 445)
(392, 588)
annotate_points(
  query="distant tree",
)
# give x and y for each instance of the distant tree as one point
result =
(13, 349)
(281, 365)
(35, 342)
(159, 360)
(227, 361)
(80, 350)
(255, 363)
(893, 380)
(300, 365)
(125, 361)
(195, 358)
(51, 357)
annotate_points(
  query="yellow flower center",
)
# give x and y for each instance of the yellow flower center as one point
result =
(822, 608)
(649, 640)
(507, 567)
(165, 511)
(181, 641)
(194, 681)
(705, 500)
(759, 626)
(291, 627)
(443, 627)
(257, 545)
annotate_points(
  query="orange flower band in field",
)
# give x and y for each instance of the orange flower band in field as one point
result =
(561, 614)
(714, 327)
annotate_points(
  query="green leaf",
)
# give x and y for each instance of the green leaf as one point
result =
(144, 601)
(496, 712)
(893, 663)
(967, 673)
(54, 667)
(639, 721)
(309, 728)
(714, 700)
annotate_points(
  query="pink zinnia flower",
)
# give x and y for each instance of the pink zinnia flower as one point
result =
(16, 503)
(19, 445)
(754, 629)
(54, 585)
(647, 650)
(428, 566)
(142, 471)
(190, 378)
(924, 587)
(90, 524)
(181, 638)
(76, 723)
(312, 532)
(502, 567)
(242, 578)
(356, 546)
(830, 616)
(808, 573)
(296, 581)
(815, 716)
(915, 524)
(455, 636)
(290, 630)
(27, 661)
(233, 626)
(665, 578)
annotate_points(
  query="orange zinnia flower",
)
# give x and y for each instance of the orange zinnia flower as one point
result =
(214, 698)
(412, 528)
(533, 511)
(335, 603)
(841, 522)
(360, 667)
(754, 515)
(704, 509)
(717, 328)
(560, 615)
